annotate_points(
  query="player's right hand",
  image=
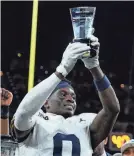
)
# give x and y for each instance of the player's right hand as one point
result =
(73, 52)
(6, 97)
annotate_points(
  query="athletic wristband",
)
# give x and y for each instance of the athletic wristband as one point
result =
(102, 84)
(4, 112)
(61, 69)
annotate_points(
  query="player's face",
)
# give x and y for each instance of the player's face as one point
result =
(129, 152)
(62, 102)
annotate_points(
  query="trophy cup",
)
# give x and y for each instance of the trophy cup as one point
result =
(82, 23)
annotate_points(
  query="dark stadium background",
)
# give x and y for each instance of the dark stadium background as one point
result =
(114, 26)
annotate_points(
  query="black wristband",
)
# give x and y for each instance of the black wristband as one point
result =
(4, 112)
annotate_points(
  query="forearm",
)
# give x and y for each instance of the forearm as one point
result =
(108, 97)
(33, 101)
(4, 119)
(97, 73)
(4, 126)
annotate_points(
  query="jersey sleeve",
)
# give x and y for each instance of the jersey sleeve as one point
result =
(21, 136)
(18, 135)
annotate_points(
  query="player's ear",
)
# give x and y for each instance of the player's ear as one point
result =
(46, 105)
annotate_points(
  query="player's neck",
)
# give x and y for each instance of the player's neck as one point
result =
(66, 116)
(63, 115)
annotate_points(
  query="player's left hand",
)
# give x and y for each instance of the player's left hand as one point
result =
(92, 62)
(6, 97)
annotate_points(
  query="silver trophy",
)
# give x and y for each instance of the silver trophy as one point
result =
(82, 22)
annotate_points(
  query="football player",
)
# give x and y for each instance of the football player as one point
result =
(58, 132)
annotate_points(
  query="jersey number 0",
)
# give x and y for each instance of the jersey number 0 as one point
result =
(58, 138)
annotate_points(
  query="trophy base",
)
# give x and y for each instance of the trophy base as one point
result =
(87, 41)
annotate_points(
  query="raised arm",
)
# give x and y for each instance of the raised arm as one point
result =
(23, 119)
(105, 119)
(6, 99)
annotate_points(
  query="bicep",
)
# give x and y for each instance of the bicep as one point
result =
(101, 127)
